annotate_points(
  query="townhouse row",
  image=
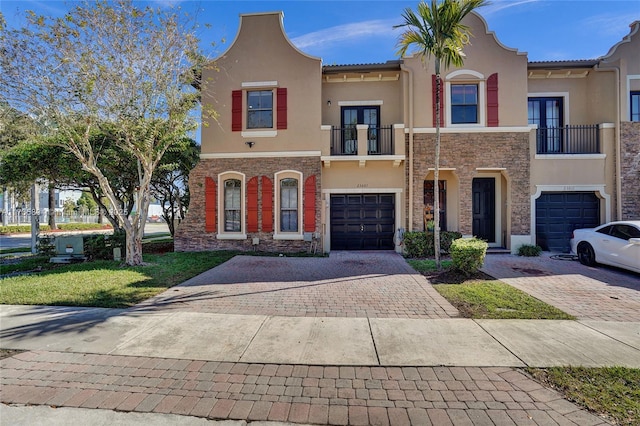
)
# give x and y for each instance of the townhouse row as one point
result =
(341, 157)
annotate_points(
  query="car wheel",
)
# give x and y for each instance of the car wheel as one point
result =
(586, 255)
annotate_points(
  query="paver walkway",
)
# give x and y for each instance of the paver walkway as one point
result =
(364, 284)
(590, 293)
(294, 393)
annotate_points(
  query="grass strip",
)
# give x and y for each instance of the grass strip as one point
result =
(497, 300)
(426, 266)
(106, 284)
(611, 391)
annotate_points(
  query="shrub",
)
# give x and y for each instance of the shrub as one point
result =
(100, 247)
(529, 250)
(46, 245)
(468, 254)
(420, 244)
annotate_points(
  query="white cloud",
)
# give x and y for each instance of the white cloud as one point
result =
(501, 5)
(340, 33)
(610, 24)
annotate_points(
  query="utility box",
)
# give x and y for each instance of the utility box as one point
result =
(69, 249)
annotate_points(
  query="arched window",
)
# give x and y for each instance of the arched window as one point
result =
(232, 205)
(289, 205)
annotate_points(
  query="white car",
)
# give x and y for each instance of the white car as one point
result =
(614, 243)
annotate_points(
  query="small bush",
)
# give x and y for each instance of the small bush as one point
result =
(468, 254)
(100, 247)
(420, 244)
(529, 250)
(46, 245)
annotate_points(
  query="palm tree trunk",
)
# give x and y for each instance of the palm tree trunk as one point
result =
(436, 172)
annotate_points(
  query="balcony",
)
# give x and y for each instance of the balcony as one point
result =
(580, 139)
(379, 140)
(361, 143)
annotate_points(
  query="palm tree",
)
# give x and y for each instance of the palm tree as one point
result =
(437, 30)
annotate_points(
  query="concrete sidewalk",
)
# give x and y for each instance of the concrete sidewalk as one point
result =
(321, 341)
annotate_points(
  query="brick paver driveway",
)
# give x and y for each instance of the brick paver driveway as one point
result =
(345, 284)
(594, 293)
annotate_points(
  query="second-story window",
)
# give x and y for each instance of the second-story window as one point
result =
(464, 103)
(635, 106)
(547, 113)
(260, 109)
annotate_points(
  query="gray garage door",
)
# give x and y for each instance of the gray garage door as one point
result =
(559, 213)
(362, 221)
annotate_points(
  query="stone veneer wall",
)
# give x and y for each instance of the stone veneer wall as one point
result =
(191, 235)
(466, 152)
(630, 169)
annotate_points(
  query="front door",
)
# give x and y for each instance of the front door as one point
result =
(484, 208)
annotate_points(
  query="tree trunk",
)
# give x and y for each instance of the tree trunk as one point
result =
(436, 173)
(52, 207)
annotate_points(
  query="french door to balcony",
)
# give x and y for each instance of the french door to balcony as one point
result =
(547, 113)
(353, 115)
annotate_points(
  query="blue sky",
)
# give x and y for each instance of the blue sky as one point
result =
(346, 32)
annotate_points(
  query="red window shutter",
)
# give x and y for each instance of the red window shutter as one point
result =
(209, 204)
(236, 110)
(492, 100)
(433, 90)
(282, 108)
(252, 205)
(267, 204)
(310, 204)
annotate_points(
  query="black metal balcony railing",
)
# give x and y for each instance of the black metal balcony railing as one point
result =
(582, 139)
(380, 140)
(344, 141)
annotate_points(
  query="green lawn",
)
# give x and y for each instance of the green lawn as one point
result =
(497, 300)
(613, 391)
(425, 266)
(105, 283)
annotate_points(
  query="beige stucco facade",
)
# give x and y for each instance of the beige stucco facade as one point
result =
(342, 154)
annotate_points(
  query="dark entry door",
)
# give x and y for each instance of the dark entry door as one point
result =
(484, 208)
(362, 221)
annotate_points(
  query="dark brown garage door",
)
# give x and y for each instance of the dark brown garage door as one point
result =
(362, 221)
(559, 213)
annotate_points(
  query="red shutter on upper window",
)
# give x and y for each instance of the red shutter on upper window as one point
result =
(492, 100)
(252, 205)
(433, 91)
(209, 204)
(282, 108)
(267, 204)
(236, 110)
(310, 204)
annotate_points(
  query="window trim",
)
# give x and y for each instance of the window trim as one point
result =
(277, 233)
(466, 77)
(229, 235)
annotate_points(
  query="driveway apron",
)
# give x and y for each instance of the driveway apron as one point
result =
(589, 293)
(345, 284)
